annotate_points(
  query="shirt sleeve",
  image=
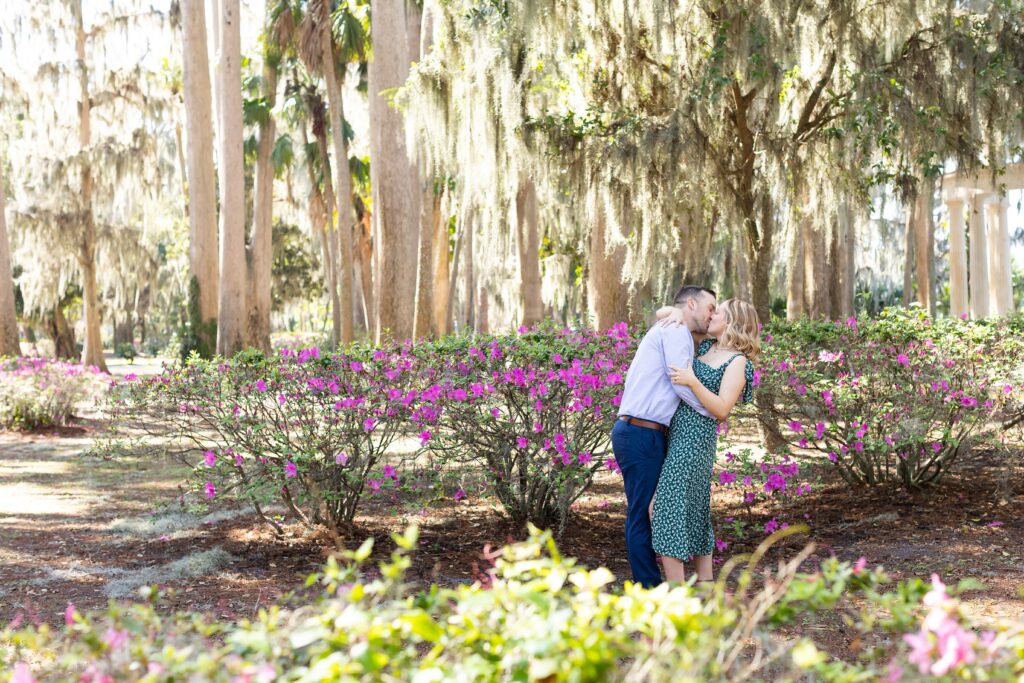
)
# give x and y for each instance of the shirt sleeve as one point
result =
(677, 349)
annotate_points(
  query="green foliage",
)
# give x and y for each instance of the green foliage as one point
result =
(295, 270)
(537, 616)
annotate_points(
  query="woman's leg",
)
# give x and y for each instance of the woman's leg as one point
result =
(675, 571)
(703, 567)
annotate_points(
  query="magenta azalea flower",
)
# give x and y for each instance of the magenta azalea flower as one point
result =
(210, 458)
(211, 490)
(341, 458)
(290, 469)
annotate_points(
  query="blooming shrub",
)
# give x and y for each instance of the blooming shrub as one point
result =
(534, 410)
(303, 427)
(771, 478)
(896, 399)
(539, 617)
(41, 392)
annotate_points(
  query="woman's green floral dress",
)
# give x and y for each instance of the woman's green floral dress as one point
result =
(682, 504)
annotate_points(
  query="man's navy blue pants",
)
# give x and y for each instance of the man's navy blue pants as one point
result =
(640, 453)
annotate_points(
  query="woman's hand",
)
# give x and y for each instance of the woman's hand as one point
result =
(682, 376)
(669, 315)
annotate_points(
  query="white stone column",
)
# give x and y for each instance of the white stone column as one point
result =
(957, 257)
(978, 245)
(999, 269)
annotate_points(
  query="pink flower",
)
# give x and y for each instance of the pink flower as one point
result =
(210, 458)
(612, 465)
(859, 566)
(537, 427)
(374, 485)
(369, 424)
(726, 477)
(261, 385)
(131, 376)
(495, 413)
(771, 527)
(22, 674)
(459, 495)
(341, 458)
(211, 490)
(819, 430)
(522, 442)
(115, 639)
(1007, 388)
(290, 469)
(425, 436)
(994, 524)
(585, 458)
(69, 614)
(903, 360)
(390, 473)
(796, 426)
(239, 461)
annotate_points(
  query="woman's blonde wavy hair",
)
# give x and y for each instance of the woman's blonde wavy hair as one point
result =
(742, 328)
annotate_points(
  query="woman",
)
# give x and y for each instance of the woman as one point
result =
(722, 373)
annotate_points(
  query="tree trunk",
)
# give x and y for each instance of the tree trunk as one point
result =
(231, 174)
(396, 199)
(439, 268)
(92, 350)
(364, 265)
(924, 246)
(343, 181)
(64, 345)
(453, 273)
(202, 199)
(322, 206)
(259, 253)
(817, 296)
(424, 310)
(9, 344)
(908, 255)
(842, 264)
(796, 306)
(470, 285)
(742, 267)
(607, 298)
(202, 186)
(528, 238)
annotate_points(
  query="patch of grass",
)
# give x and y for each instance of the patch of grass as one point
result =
(172, 524)
(196, 564)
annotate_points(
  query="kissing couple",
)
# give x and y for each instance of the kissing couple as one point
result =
(666, 436)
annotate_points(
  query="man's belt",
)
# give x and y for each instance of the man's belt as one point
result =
(646, 424)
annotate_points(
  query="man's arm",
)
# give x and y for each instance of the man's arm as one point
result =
(677, 349)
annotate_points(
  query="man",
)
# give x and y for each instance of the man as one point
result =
(649, 399)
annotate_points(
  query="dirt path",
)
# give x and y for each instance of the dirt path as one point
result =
(76, 528)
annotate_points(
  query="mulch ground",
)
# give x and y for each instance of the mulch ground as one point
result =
(57, 546)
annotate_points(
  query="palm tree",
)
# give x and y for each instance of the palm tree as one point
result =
(329, 40)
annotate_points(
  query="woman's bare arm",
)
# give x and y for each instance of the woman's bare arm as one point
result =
(722, 403)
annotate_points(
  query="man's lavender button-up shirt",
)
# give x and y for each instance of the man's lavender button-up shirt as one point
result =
(649, 393)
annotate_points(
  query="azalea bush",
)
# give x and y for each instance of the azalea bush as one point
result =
(895, 399)
(765, 479)
(304, 428)
(41, 392)
(532, 410)
(537, 617)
